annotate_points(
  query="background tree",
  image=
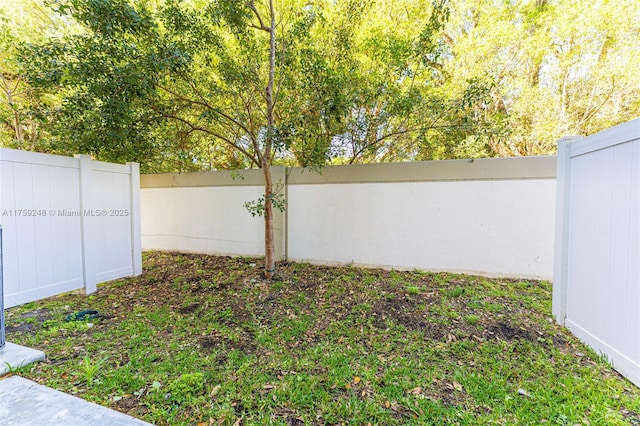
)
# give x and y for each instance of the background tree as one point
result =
(25, 112)
(204, 84)
(371, 80)
(559, 67)
(390, 56)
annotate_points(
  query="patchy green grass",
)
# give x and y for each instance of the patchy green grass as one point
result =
(205, 339)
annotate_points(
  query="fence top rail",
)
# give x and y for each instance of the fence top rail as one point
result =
(617, 135)
(29, 157)
(543, 167)
(38, 158)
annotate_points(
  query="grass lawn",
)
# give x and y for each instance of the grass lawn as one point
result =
(204, 339)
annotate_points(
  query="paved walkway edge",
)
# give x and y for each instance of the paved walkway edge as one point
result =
(24, 403)
(14, 356)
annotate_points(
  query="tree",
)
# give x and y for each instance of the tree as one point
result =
(233, 84)
(558, 67)
(269, 86)
(218, 70)
(23, 109)
(390, 57)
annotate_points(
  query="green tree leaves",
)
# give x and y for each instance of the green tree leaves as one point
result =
(560, 68)
(180, 85)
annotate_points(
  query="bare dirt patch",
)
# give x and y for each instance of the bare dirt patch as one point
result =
(396, 344)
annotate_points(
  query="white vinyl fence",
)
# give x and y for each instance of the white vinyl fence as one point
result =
(68, 223)
(487, 216)
(596, 290)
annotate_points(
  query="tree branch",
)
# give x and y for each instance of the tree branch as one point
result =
(398, 133)
(194, 127)
(254, 140)
(377, 142)
(251, 5)
(587, 117)
(210, 107)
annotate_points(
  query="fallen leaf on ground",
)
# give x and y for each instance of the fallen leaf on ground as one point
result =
(523, 392)
(215, 391)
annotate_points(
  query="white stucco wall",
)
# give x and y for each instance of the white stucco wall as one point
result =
(501, 228)
(492, 217)
(202, 219)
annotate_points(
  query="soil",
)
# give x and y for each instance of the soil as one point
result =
(233, 292)
(175, 280)
(169, 278)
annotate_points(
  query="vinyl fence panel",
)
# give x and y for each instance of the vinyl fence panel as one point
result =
(61, 226)
(597, 273)
(42, 250)
(111, 199)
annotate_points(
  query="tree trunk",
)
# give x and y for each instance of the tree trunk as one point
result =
(17, 125)
(269, 249)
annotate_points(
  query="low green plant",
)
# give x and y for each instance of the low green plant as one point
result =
(186, 386)
(49, 323)
(225, 314)
(90, 369)
(455, 292)
(413, 289)
(10, 368)
(471, 319)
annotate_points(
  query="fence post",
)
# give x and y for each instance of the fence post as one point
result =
(561, 245)
(134, 211)
(85, 174)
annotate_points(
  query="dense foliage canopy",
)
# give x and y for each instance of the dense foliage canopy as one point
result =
(180, 85)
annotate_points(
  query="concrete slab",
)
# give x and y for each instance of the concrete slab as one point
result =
(26, 403)
(14, 356)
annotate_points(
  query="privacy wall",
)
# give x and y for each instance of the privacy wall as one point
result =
(491, 217)
(68, 223)
(203, 212)
(596, 289)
